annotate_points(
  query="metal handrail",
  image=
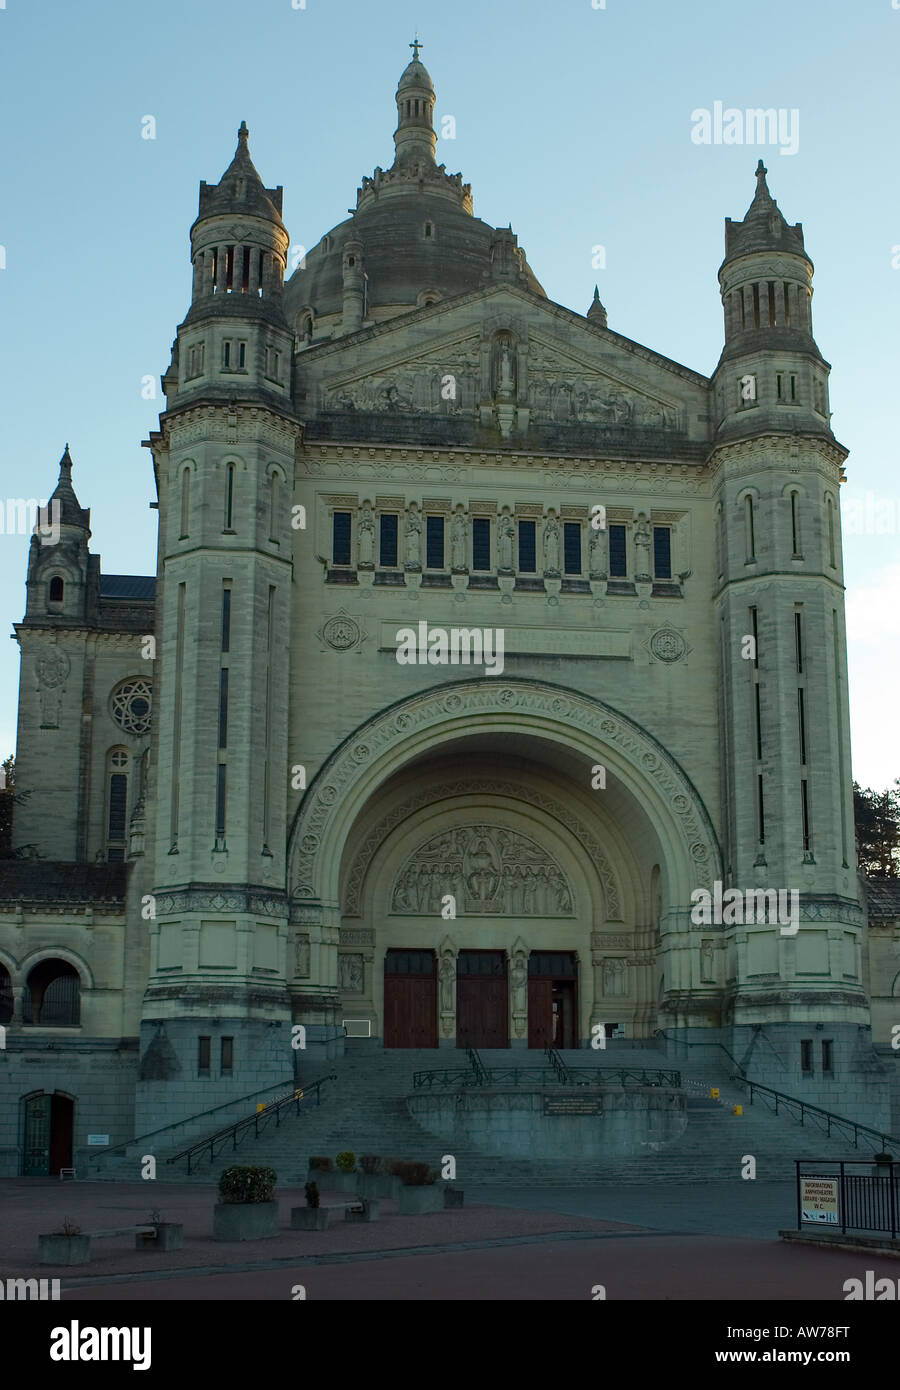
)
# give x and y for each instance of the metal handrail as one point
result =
(476, 1064)
(817, 1114)
(259, 1121)
(558, 1064)
(681, 1042)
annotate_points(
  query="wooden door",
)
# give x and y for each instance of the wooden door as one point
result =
(61, 1117)
(410, 999)
(482, 1003)
(540, 1012)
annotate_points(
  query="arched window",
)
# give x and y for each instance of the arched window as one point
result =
(832, 560)
(749, 530)
(117, 805)
(6, 995)
(57, 589)
(274, 494)
(185, 503)
(52, 995)
(229, 496)
(795, 525)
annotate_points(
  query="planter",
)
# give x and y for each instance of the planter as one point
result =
(377, 1185)
(245, 1220)
(413, 1201)
(453, 1196)
(370, 1211)
(64, 1250)
(334, 1181)
(309, 1218)
(169, 1236)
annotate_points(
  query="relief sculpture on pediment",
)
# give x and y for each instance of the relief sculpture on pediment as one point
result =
(562, 391)
(487, 870)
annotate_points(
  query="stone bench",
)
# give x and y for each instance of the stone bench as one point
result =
(59, 1249)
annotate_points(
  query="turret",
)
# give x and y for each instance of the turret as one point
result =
(59, 565)
(414, 138)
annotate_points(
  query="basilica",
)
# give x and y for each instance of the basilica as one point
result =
(245, 808)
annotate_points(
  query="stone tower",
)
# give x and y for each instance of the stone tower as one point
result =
(216, 1003)
(785, 751)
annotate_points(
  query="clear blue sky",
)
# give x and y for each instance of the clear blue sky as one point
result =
(573, 124)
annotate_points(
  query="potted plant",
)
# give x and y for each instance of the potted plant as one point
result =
(64, 1247)
(318, 1166)
(344, 1179)
(312, 1217)
(373, 1182)
(167, 1235)
(419, 1192)
(246, 1209)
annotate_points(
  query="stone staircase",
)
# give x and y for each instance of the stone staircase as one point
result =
(365, 1111)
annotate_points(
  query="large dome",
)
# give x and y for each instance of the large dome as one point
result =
(413, 232)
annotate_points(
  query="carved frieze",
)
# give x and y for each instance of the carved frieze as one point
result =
(488, 870)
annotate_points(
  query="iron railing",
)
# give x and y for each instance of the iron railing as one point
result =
(301, 1096)
(558, 1065)
(476, 1064)
(802, 1110)
(868, 1201)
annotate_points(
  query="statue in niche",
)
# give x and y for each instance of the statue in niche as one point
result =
(459, 535)
(447, 982)
(413, 539)
(505, 369)
(706, 961)
(506, 533)
(614, 978)
(551, 548)
(642, 547)
(483, 878)
(351, 974)
(301, 957)
(366, 539)
(595, 551)
(518, 983)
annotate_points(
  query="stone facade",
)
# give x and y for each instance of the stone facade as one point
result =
(409, 432)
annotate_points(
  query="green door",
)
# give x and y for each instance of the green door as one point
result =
(37, 1137)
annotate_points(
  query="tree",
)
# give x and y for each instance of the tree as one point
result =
(877, 816)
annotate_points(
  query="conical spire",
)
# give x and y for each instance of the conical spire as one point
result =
(596, 313)
(414, 138)
(240, 188)
(71, 512)
(764, 227)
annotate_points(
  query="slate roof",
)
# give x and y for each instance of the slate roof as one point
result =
(133, 586)
(52, 881)
(883, 899)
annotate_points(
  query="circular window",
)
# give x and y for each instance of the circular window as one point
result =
(131, 705)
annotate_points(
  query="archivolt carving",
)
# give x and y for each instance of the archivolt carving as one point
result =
(481, 786)
(487, 869)
(557, 706)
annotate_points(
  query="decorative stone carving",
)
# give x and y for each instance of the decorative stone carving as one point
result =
(342, 633)
(131, 704)
(506, 535)
(518, 988)
(459, 537)
(489, 870)
(413, 539)
(427, 711)
(615, 978)
(668, 645)
(447, 981)
(642, 547)
(568, 391)
(505, 370)
(551, 548)
(366, 540)
(301, 957)
(51, 669)
(597, 554)
(350, 974)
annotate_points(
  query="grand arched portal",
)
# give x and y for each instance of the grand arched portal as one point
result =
(461, 853)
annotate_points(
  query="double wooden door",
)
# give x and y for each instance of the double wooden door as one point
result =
(482, 1002)
(410, 999)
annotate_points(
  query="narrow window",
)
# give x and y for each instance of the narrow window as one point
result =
(527, 548)
(115, 829)
(204, 1047)
(572, 547)
(242, 350)
(226, 353)
(830, 511)
(749, 529)
(388, 541)
(798, 641)
(795, 527)
(779, 384)
(220, 802)
(743, 309)
(434, 542)
(761, 809)
(801, 721)
(771, 303)
(618, 558)
(428, 229)
(340, 548)
(756, 306)
(223, 707)
(662, 552)
(229, 496)
(57, 589)
(185, 502)
(754, 629)
(226, 619)
(806, 1056)
(215, 269)
(787, 305)
(229, 268)
(804, 800)
(273, 507)
(758, 715)
(227, 1056)
(827, 1057)
(481, 544)
(245, 271)
(793, 388)
(351, 261)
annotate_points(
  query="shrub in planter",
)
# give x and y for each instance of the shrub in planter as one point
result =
(346, 1162)
(312, 1217)
(64, 1247)
(247, 1184)
(323, 1165)
(369, 1163)
(245, 1210)
(418, 1175)
(312, 1194)
(415, 1198)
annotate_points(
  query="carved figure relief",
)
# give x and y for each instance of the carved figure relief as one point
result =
(505, 368)
(642, 547)
(489, 870)
(350, 974)
(551, 548)
(52, 668)
(615, 978)
(459, 535)
(560, 389)
(447, 982)
(506, 534)
(301, 957)
(413, 539)
(366, 539)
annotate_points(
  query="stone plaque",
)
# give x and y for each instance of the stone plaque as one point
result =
(573, 1105)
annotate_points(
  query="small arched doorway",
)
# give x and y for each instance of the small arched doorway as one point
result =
(49, 1121)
